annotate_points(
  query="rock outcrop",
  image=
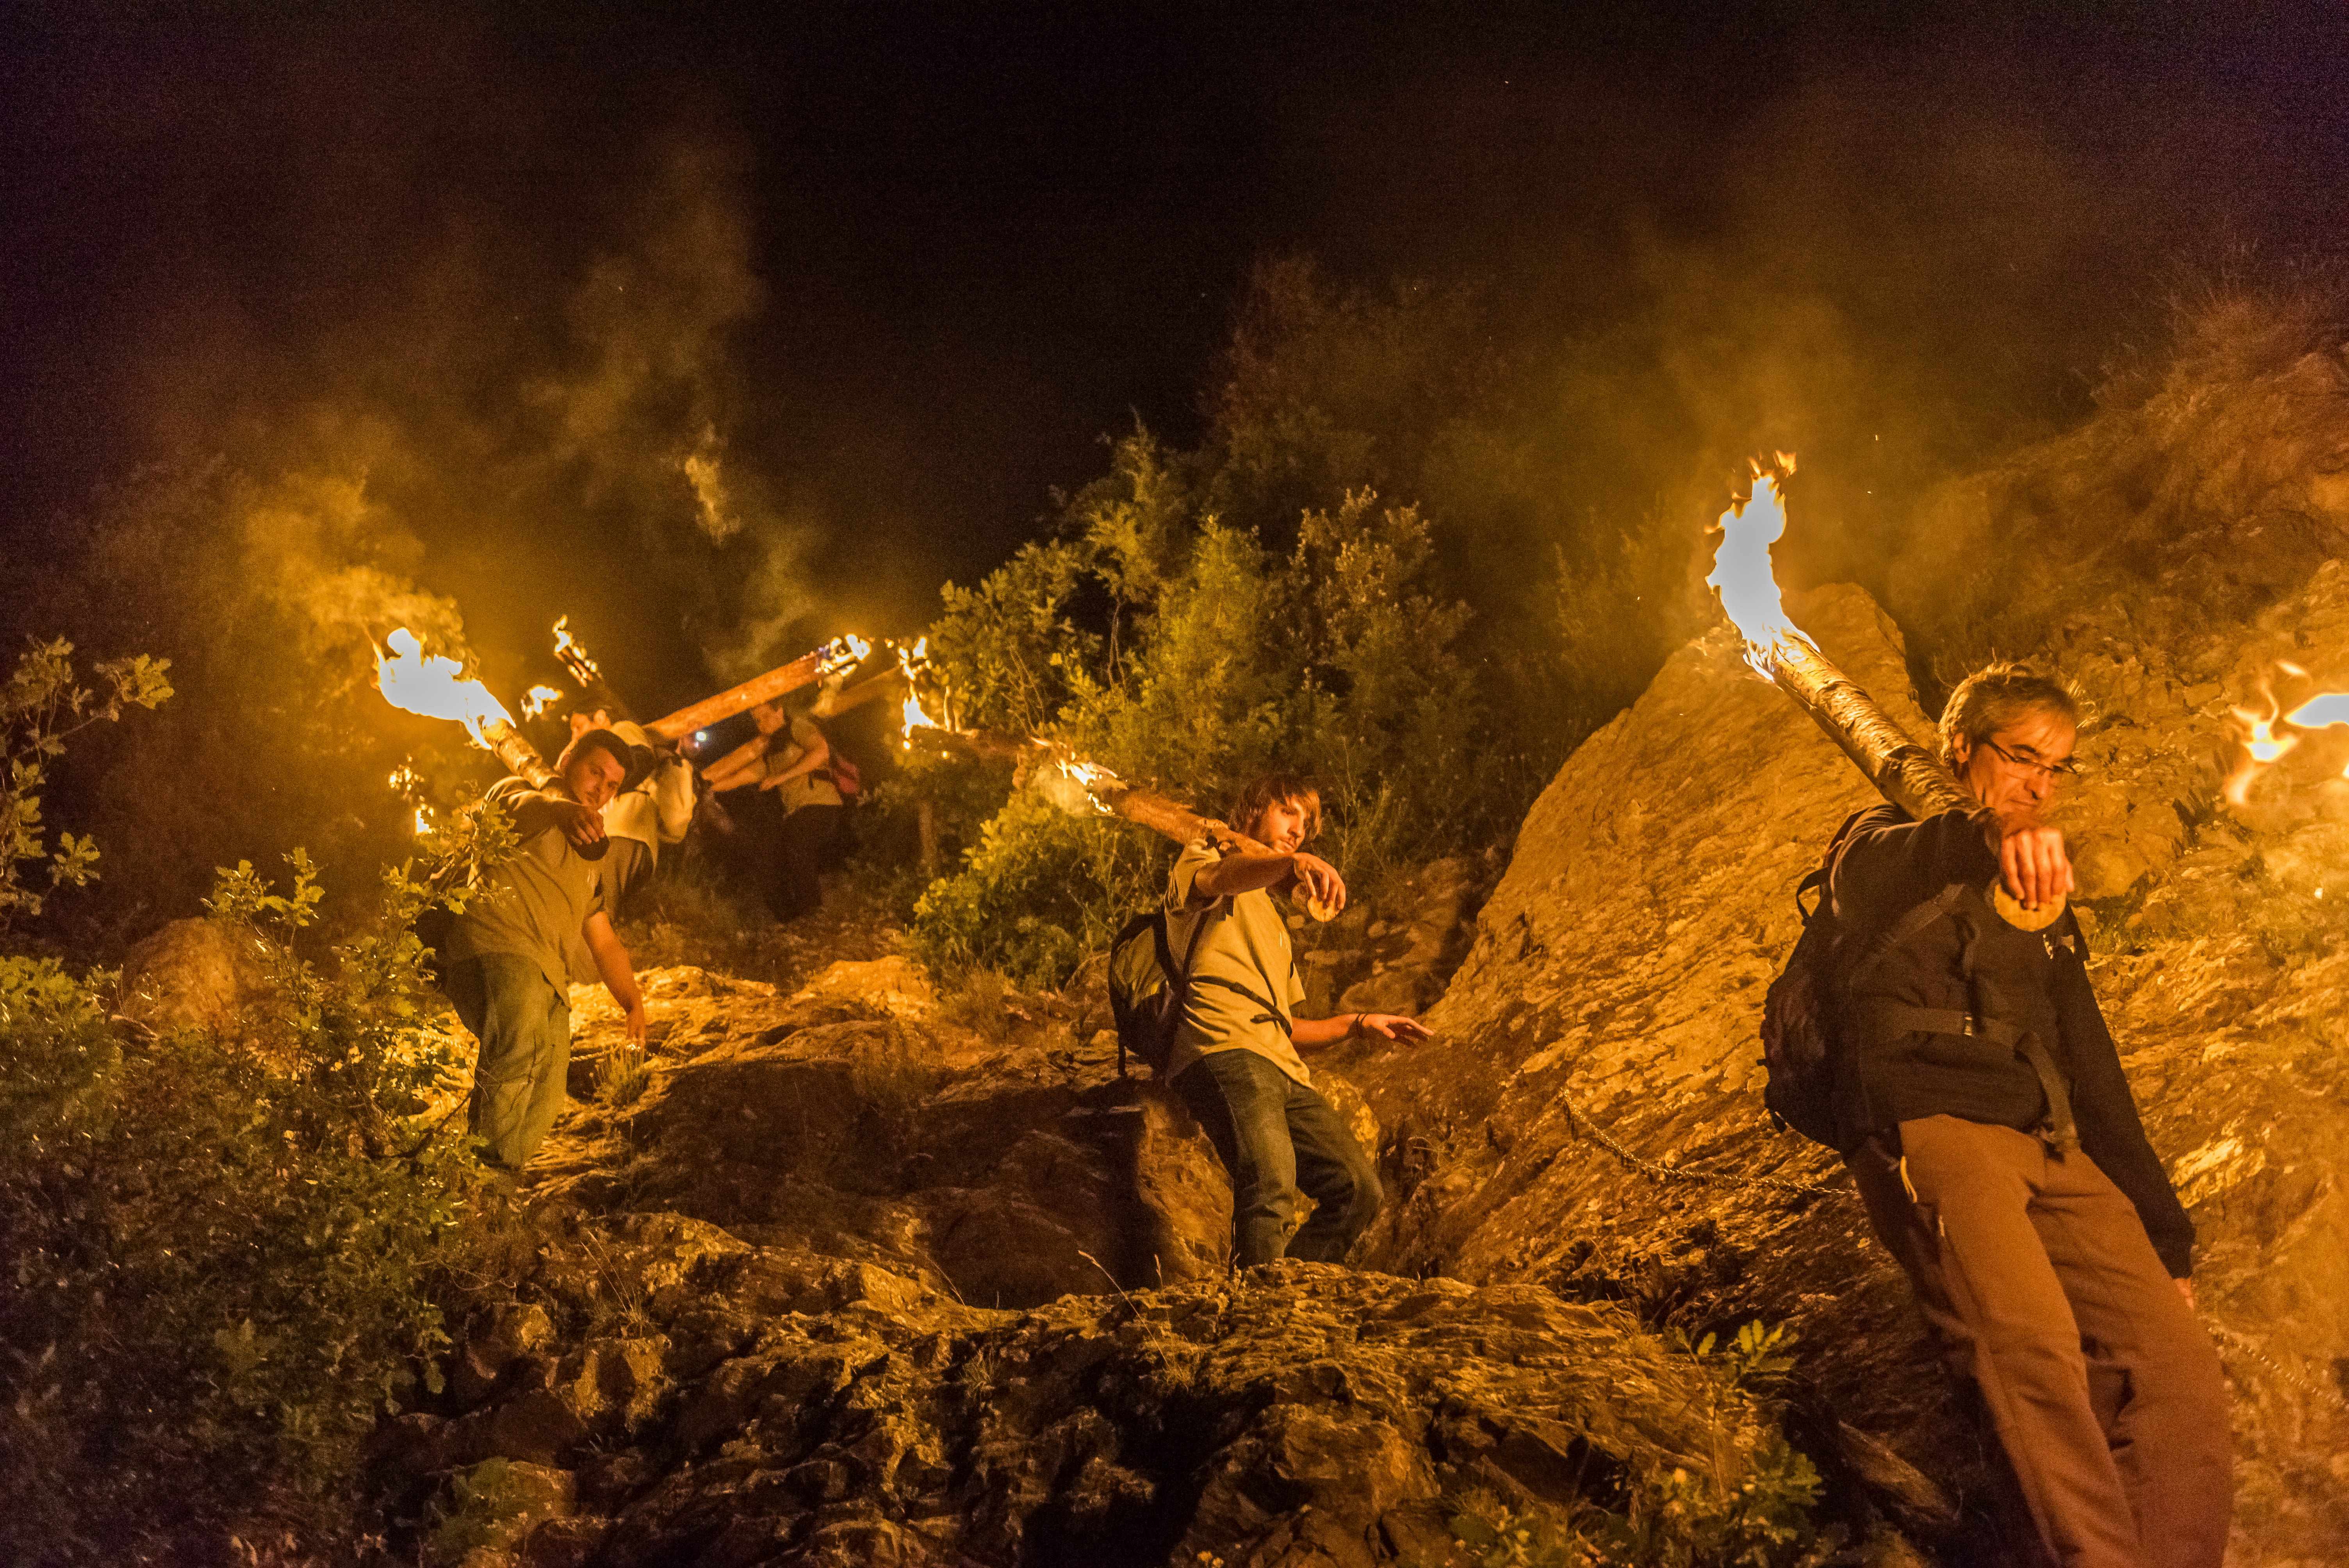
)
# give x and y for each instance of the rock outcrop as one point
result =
(1589, 1117)
(716, 1402)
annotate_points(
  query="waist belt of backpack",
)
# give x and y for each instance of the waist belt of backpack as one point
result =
(1271, 1015)
(1888, 1018)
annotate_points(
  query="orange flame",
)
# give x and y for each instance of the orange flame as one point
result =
(916, 665)
(1741, 568)
(534, 700)
(2263, 747)
(435, 686)
(574, 654)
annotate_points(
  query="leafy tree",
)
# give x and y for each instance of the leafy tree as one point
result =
(41, 707)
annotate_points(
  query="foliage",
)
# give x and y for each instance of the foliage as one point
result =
(1745, 1503)
(41, 706)
(226, 1252)
(1223, 660)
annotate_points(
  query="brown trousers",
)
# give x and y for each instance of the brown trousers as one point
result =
(2035, 1273)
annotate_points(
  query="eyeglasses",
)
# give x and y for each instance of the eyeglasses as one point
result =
(2054, 771)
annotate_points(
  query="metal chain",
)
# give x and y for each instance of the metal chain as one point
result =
(1582, 1126)
(2245, 1348)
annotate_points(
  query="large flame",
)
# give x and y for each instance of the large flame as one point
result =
(435, 686)
(1741, 568)
(2263, 746)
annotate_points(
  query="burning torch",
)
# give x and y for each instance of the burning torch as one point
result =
(437, 688)
(1903, 772)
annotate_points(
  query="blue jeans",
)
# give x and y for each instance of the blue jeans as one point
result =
(520, 1080)
(1280, 1142)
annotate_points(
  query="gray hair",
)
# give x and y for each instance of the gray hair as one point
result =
(1997, 694)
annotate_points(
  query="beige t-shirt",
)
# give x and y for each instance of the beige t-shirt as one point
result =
(1246, 943)
(534, 903)
(814, 787)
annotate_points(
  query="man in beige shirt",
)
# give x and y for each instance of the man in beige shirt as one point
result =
(1235, 1059)
(508, 960)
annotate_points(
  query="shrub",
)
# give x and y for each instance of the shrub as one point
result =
(224, 1256)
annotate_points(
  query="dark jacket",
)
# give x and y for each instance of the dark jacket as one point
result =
(1889, 864)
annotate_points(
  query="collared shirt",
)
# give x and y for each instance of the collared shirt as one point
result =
(1246, 943)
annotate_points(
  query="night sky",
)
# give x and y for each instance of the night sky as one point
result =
(894, 272)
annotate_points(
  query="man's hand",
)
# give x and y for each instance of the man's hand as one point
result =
(1394, 1026)
(2186, 1289)
(2031, 860)
(635, 1024)
(1317, 878)
(580, 825)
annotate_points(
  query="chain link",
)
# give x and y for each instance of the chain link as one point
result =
(1582, 1127)
(2251, 1352)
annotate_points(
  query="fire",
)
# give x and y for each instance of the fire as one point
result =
(1070, 786)
(1741, 568)
(435, 686)
(574, 654)
(2263, 747)
(843, 652)
(534, 701)
(2331, 708)
(916, 665)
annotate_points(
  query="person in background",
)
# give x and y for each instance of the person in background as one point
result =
(795, 774)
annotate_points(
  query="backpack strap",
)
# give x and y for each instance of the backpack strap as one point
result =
(1271, 1015)
(1885, 1019)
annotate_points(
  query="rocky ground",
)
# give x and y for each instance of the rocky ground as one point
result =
(863, 1274)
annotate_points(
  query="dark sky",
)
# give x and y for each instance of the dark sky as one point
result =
(895, 269)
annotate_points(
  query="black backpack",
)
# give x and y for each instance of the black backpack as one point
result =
(1147, 988)
(1807, 1021)
(1804, 1013)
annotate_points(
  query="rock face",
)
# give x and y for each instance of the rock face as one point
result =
(778, 1320)
(1590, 1115)
(858, 1118)
(192, 974)
(725, 1403)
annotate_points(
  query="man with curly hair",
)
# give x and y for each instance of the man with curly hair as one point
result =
(1235, 1059)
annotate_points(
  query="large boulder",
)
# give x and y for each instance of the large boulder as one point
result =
(1589, 1116)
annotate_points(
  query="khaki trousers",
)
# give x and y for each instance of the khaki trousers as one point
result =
(2037, 1276)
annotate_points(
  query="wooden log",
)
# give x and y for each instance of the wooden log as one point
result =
(1109, 794)
(1903, 771)
(803, 671)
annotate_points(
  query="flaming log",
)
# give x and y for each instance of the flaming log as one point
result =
(840, 653)
(1086, 789)
(520, 757)
(1903, 771)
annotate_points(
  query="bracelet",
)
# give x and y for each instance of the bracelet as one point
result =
(1354, 1029)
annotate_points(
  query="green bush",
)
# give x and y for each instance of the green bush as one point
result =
(1222, 659)
(225, 1254)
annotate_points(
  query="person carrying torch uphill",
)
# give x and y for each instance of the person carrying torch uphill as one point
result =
(1234, 1055)
(1998, 1150)
(507, 964)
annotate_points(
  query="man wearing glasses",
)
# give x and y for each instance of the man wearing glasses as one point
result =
(1997, 1148)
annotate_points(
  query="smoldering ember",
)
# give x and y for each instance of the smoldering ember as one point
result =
(1173, 787)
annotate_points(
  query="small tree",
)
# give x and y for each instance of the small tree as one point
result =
(41, 706)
